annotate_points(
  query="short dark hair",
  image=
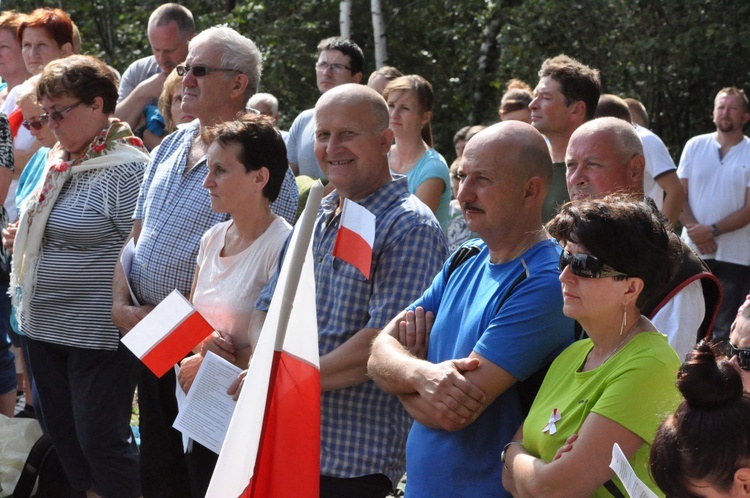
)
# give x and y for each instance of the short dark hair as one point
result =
(578, 82)
(624, 233)
(461, 134)
(81, 76)
(346, 47)
(612, 106)
(54, 21)
(261, 145)
(173, 12)
(708, 437)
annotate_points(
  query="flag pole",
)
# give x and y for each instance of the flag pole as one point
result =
(305, 225)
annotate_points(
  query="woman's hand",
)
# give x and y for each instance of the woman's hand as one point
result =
(566, 447)
(9, 235)
(188, 370)
(219, 345)
(235, 388)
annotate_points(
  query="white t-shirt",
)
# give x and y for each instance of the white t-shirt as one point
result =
(228, 286)
(658, 162)
(718, 187)
(680, 318)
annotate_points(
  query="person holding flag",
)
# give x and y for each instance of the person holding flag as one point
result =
(363, 430)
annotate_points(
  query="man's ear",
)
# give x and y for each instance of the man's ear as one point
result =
(239, 84)
(356, 77)
(636, 168)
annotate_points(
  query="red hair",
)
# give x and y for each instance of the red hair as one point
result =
(54, 21)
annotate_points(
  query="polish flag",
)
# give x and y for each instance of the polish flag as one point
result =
(272, 447)
(167, 334)
(356, 237)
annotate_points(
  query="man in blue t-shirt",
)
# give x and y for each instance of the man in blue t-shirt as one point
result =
(497, 320)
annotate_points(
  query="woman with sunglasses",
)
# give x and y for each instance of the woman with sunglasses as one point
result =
(703, 449)
(616, 385)
(69, 236)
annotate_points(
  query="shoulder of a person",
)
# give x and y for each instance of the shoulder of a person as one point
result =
(147, 64)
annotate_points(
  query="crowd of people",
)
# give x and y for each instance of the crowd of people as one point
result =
(526, 308)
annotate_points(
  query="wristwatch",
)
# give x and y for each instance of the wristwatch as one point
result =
(505, 450)
(715, 230)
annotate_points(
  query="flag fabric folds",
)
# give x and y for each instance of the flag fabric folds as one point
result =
(356, 237)
(272, 448)
(167, 334)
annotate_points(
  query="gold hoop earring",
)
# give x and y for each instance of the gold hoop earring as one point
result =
(624, 320)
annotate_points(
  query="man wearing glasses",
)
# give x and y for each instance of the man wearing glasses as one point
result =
(340, 61)
(221, 72)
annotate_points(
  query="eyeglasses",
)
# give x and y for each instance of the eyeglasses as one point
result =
(743, 356)
(201, 71)
(56, 116)
(336, 68)
(37, 125)
(587, 266)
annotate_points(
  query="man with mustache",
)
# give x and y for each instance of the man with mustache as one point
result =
(715, 172)
(497, 320)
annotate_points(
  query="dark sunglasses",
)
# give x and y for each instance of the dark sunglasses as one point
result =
(57, 116)
(587, 266)
(743, 356)
(37, 125)
(201, 71)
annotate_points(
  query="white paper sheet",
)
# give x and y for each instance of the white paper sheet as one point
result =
(634, 486)
(206, 412)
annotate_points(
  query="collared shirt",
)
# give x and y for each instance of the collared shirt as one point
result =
(175, 210)
(363, 429)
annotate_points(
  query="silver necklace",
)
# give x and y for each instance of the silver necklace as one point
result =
(624, 340)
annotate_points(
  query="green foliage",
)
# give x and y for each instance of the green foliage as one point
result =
(674, 55)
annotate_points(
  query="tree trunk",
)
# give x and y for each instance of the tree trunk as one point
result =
(345, 18)
(486, 65)
(378, 32)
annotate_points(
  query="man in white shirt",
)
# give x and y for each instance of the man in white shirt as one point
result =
(715, 172)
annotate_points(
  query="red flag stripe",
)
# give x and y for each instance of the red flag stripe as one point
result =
(177, 344)
(352, 248)
(288, 460)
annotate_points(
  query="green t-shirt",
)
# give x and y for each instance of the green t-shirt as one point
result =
(635, 388)
(558, 193)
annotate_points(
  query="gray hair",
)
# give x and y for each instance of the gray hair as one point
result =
(172, 12)
(237, 52)
(265, 98)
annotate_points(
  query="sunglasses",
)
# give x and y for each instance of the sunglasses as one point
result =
(37, 125)
(55, 116)
(587, 266)
(201, 71)
(743, 356)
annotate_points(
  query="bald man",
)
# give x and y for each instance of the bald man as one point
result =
(605, 156)
(363, 430)
(497, 320)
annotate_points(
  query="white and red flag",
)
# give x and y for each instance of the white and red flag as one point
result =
(356, 237)
(167, 334)
(272, 447)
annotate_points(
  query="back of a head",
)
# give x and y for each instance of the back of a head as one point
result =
(388, 72)
(623, 232)
(578, 82)
(708, 437)
(638, 113)
(265, 99)
(612, 106)
(27, 90)
(518, 96)
(236, 52)
(347, 47)
(55, 22)
(173, 12)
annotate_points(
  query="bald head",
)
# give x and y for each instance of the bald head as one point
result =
(604, 156)
(517, 147)
(352, 94)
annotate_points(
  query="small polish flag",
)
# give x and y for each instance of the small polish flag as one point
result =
(356, 237)
(167, 334)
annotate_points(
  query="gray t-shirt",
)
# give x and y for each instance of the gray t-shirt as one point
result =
(140, 70)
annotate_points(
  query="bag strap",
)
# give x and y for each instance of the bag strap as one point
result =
(30, 472)
(613, 489)
(462, 255)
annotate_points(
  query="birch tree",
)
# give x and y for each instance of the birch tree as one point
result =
(345, 18)
(378, 34)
